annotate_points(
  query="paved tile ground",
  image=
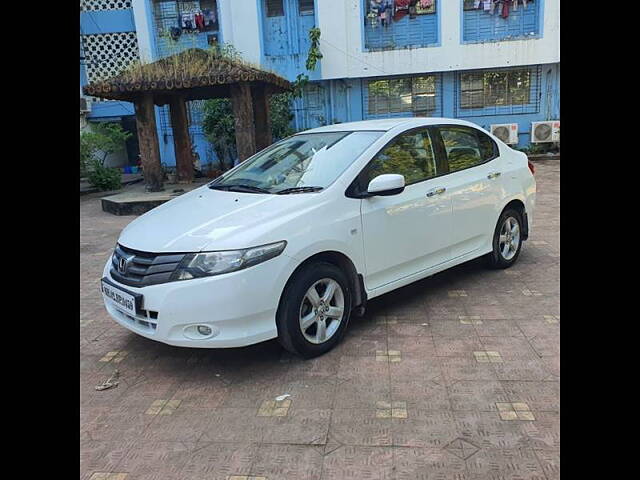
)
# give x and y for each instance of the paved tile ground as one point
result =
(453, 377)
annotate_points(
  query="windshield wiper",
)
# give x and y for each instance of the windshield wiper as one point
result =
(298, 190)
(240, 188)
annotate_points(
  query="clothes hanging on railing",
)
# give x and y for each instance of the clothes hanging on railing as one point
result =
(199, 21)
(505, 9)
(188, 21)
(209, 17)
(412, 9)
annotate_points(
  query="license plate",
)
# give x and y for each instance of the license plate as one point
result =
(119, 298)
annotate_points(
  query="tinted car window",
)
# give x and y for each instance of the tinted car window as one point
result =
(488, 148)
(462, 146)
(410, 154)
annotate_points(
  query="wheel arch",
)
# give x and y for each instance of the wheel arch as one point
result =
(343, 262)
(519, 205)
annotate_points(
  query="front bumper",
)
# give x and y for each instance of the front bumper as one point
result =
(239, 307)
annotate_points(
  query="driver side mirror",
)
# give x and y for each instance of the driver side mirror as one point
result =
(387, 184)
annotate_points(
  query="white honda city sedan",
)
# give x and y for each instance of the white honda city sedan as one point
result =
(292, 241)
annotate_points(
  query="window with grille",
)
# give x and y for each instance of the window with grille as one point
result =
(88, 5)
(275, 8)
(305, 7)
(417, 95)
(494, 88)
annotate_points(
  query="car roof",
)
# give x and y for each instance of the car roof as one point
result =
(386, 124)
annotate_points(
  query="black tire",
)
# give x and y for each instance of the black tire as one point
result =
(495, 259)
(290, 333)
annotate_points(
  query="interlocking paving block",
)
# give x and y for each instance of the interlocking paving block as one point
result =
(470, 319)
(108, 476)
(288, 462)
(163, 407)
(386, 321)
(424, 429)
(393, 356)
(488, 357)
(358, 462)
(245, 477)
(503, 464)
(115, 356)
(360, 427)
(457, 293)
(391, 409)
(426, 463)
(514, 411)
(274, 408)
(531, 293)
(461, 448)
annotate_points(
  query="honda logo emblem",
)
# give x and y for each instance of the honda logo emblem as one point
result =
(122, 265)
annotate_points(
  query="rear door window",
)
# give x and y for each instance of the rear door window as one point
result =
(463, 147)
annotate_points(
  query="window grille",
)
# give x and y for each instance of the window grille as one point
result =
(305, 7)
(275, 8)
(498, 92)
(404, 96)
(195, 113)
(87, 5)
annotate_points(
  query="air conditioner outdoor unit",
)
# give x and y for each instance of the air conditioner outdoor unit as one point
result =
(85, 105)
(507, 132)
(545, 132)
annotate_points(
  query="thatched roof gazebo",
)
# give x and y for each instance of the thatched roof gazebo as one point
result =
(193, 74)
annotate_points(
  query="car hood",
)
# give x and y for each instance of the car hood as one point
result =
(206, 219)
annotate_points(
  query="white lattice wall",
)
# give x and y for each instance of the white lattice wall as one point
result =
(86, 5)
(107, 54)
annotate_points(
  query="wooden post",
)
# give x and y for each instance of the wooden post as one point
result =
(262, 117)
(244, 120)
(148, 142)
(181, 139)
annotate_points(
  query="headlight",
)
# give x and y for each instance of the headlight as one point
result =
(206, 264)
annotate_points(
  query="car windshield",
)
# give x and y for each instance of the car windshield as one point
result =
(302, 163)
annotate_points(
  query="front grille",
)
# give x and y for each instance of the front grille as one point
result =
(144, 268)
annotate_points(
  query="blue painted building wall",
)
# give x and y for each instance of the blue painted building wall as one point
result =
(285, 40)
(345, 100)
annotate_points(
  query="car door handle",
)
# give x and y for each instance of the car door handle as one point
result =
(493, 175)
(436, 191)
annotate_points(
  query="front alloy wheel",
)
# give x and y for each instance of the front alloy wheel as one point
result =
(314, 309)
(321, 311)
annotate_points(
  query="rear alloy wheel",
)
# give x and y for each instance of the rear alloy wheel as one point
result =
(314, 310)
(507, 240)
